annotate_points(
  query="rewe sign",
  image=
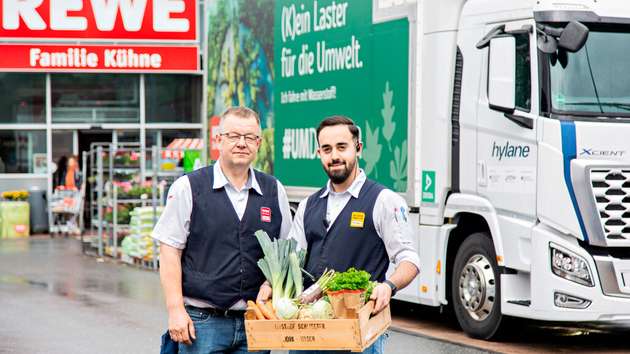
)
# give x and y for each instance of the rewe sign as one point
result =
(127, 20)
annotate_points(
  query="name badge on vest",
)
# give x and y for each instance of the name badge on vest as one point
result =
(357, 219)
(265, 214)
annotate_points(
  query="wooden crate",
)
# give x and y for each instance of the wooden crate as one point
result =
(336, 334)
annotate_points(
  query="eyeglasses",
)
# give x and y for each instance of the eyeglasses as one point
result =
(236, 137)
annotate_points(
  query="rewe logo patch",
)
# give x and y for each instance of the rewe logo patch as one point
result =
(510, 151)
(265, 214)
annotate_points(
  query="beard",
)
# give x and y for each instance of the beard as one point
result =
(340, 176)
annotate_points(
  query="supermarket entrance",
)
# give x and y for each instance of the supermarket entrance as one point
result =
(86, 139)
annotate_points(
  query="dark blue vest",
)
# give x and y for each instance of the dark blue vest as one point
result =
(344, 246)
(219, 261)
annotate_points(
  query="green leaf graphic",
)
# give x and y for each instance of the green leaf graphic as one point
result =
(372, 150)
(398, 168)
(388, 113)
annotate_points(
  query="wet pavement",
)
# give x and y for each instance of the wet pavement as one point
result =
(53, 299)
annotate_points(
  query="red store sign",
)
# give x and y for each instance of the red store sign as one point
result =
(98, 58)
(100, 20)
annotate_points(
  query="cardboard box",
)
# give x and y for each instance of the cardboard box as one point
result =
(336, 334)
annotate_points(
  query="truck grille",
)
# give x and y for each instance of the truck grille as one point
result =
(611, 190)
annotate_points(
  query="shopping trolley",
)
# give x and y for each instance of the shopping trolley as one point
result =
(66, 206)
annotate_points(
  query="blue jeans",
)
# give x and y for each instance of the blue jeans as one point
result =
(375, 348)
(216, 335)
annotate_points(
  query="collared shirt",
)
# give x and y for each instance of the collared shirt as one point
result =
(173, 226)
(390, 217)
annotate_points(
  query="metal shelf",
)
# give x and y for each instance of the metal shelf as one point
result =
(131, 201)
(128, 170)
(104, 194)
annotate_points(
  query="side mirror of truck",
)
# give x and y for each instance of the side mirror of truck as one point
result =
(502, 74)
(573, 37)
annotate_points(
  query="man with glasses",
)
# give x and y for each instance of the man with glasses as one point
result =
(208, 252)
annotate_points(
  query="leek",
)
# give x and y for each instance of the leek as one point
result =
(281, 265)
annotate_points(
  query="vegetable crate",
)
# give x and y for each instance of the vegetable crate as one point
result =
(335, 334)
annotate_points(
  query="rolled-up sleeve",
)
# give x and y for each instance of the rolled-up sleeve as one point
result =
(173, 225)
(391, 219)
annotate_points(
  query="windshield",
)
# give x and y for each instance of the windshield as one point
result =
(596, 79)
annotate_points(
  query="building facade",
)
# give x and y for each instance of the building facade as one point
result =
(74, 73)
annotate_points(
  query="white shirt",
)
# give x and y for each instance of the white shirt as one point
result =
(173, 226)
(390, 216)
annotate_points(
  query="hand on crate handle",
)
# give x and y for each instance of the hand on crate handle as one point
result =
(382, 293)
(180, 326)
(264, 294)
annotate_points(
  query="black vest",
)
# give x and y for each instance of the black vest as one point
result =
(344, 246)
(219, 261)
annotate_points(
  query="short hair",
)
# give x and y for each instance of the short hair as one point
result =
(240, 112)
(339, 120)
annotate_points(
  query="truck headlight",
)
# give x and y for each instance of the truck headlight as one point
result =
(570, 266)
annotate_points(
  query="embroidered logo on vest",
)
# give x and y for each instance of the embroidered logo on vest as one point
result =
(357, 219)
(265, 214)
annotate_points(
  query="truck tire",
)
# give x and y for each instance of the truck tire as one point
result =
(476, 287)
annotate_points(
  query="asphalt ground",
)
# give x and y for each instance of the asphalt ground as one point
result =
(54, 299)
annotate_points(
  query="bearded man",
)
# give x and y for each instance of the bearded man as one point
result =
(354, 221)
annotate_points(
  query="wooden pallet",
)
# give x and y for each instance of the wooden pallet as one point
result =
(336, 334)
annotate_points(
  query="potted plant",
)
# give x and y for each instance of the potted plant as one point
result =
(348, 292)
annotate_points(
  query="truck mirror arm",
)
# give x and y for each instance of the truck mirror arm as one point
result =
(485, 41)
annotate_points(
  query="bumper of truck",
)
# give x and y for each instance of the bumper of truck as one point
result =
(608, 299)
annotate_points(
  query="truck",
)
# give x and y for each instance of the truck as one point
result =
(503, 124)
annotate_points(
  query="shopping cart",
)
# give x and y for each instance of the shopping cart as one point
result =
(66, 206)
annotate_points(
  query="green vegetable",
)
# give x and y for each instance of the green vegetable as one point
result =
(368, 291)
(296, 273)
(281, 265)
(315, 291)
(321, 310)
(351, 279)
(286, 308)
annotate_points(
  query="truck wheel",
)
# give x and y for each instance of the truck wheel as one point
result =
(475, 285)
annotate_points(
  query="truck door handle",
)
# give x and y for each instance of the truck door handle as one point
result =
(482, 179)
(525, 122)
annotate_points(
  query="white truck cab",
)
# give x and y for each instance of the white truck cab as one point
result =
(522, 143)
(517, 139)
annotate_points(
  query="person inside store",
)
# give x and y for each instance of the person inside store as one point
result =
(354, 221)
(72, 178)
(67, 173)
(208, 251)
(59, 174)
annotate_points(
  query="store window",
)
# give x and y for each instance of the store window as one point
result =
(173, 98)
(128, 136)
(62, 144)
(95, 98)
(22, 98)
(23, 151)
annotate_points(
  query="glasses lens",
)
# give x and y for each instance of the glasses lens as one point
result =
(235, 137)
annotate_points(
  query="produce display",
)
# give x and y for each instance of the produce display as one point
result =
(333, 295)
(139, 243)
(122, 217)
